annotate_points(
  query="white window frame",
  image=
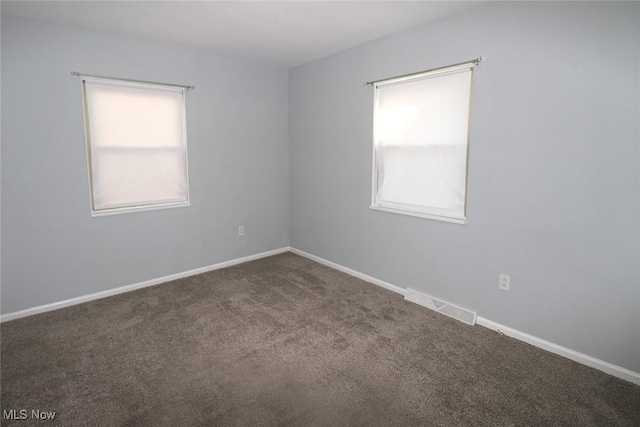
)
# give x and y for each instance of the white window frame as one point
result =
(413, 210)
(87, 124)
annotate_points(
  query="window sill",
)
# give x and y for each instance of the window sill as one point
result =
(418, 214)
(134, 209)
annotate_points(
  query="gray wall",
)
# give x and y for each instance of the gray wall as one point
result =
(554, 184)
(52, 249)
(554, 194)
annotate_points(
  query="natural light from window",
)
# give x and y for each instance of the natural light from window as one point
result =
(136, 144)
(421, 127)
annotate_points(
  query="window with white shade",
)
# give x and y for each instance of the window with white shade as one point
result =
(136, 145)
(421, 129)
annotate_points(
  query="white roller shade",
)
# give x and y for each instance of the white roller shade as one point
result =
(137, 145)
(421, 133)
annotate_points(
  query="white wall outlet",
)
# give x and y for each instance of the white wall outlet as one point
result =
(505, 282)
(241, 230)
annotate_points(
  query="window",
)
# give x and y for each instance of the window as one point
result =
(136, 145)
(421, 128)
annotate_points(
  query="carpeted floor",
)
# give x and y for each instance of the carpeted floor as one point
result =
(286, 341)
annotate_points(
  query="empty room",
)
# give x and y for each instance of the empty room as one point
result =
(320, 213)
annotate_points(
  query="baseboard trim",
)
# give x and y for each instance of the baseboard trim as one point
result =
(609, 368)
(128, 288)
(354, 273)
(601, 365)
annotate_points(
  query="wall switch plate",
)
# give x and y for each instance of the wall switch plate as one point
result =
(505, 282)
(241, 230)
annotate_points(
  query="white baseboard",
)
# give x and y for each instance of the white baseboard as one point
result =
(601, 365)
(354, 273)
(132, 287)
(609, 368)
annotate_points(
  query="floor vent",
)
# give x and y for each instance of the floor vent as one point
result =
(436, 304)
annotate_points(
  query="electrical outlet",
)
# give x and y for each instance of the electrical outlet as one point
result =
(505, 282)
(241, 230)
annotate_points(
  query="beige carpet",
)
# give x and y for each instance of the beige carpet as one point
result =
(286, 341)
